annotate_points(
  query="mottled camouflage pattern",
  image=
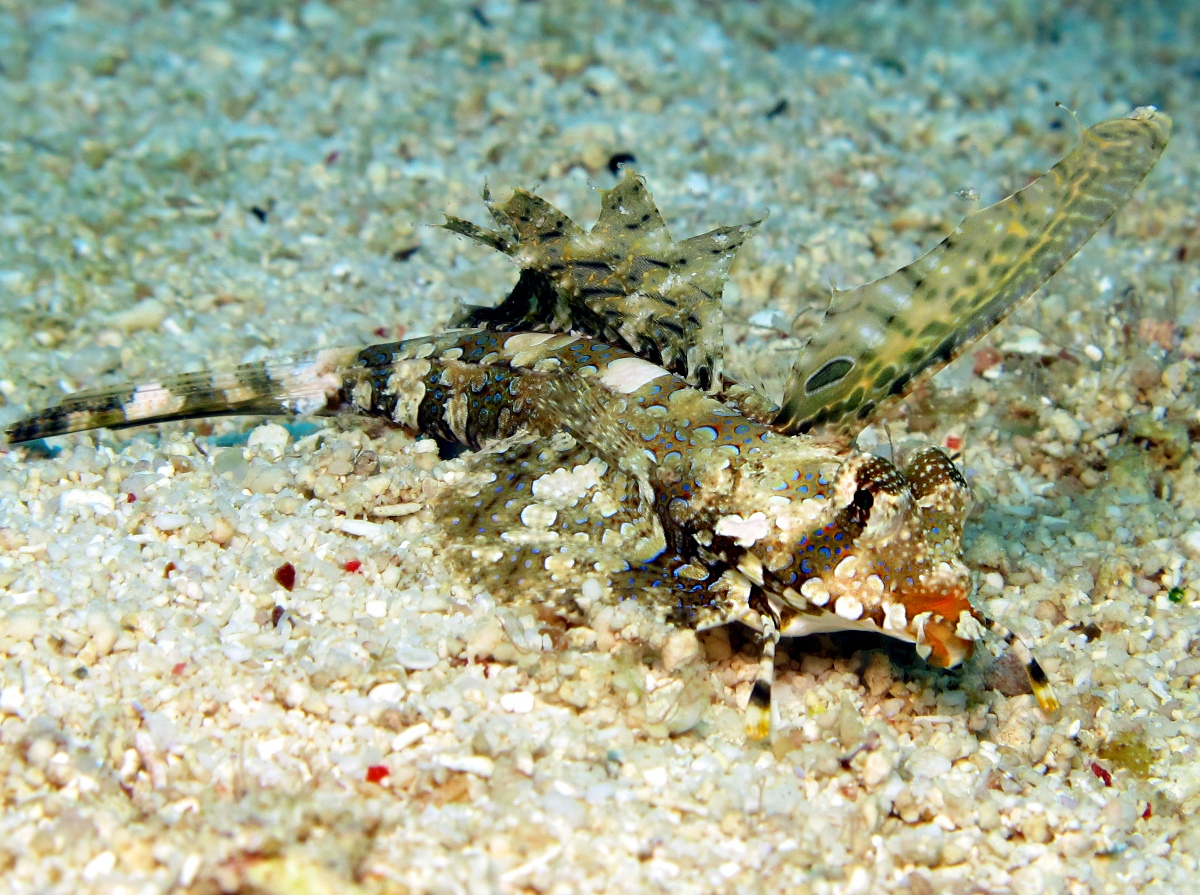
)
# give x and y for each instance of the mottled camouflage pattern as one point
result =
(610, 470)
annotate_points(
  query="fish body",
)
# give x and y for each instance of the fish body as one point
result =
(615, 456)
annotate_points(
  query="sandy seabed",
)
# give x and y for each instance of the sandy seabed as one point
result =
(183, 185)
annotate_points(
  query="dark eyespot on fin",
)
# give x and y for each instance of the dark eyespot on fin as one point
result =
(912, 323)
(834, 371)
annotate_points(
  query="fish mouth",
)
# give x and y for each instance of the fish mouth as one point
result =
(946, 648)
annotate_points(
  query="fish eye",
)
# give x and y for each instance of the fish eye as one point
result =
(873, 496)
(864, 499)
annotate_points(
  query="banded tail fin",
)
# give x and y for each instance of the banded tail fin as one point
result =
(311, 384)
(879, 340)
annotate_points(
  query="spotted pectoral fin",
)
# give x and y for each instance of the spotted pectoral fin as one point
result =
(877, 341)
(624, 282)
(312, 384)
(545, 521)
(539, 516)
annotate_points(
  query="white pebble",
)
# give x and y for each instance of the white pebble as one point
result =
(169, 521)
(391, 692)
(377, 608)
(269, 748)
(270, 438)
(191, 867)
(681, 647)
(1065, 426)
(919, 845)
(519, 703)
(1093, 352)
(99, 866)
(655, 777)
(21, 625)
(409, 736)
(104, 632)
(146, 314)
(295, 694)
(479, 765)
(11, 700)
(928, 763)
(96, 501)
(414, 658)
(362, 528)
(876, 768)
(235, 652)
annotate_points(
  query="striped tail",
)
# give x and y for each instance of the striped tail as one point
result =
(313, 384)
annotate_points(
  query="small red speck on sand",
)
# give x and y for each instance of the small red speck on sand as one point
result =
(985, 359)
(953, 444)
(1146, 814)
(382, 331)
(130, 497)
(178, 667)
(352, 566)
(285, 576)
(376, 772)
(1102, 774)
(332, 158)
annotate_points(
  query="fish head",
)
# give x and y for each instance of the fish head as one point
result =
(856, 542)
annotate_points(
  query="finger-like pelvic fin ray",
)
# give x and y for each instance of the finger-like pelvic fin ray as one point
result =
(877, 341)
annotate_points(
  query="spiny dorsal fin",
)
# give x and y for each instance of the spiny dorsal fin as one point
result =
(877, 341)
(624, 281)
